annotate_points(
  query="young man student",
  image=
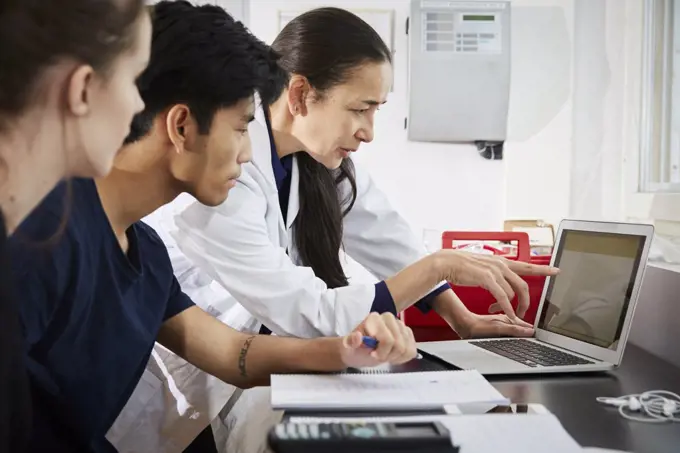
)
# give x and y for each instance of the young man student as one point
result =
(97, 285)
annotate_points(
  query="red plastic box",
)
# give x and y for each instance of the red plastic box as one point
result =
(431, 326)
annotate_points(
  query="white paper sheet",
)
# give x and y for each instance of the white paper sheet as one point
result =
(415, 391)
(510, 433)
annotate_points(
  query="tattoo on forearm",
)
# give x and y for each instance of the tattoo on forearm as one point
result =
(242, 355)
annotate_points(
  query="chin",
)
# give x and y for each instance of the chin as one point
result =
(333, 164)
(92, 169)
(214, 199)
(213, 202)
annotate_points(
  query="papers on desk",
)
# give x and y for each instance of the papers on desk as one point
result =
(376, 392)
(506, 433)
(510, 433)
(536, 431)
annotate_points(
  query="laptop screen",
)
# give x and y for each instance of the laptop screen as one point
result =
(588, 300)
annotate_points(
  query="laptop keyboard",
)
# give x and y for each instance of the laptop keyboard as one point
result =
(530, 353)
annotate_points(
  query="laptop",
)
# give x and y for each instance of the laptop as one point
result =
(585, 312)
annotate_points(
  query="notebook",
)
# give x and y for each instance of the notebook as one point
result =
(430, 390)
(458, 409)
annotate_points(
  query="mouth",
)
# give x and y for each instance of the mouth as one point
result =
(346, 152)
(231, 182)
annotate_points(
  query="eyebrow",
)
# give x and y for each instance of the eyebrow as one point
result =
(372, 102)
(248, 118)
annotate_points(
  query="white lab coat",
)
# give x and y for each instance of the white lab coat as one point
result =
(244, 246)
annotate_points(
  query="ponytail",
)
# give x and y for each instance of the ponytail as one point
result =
(318, 227)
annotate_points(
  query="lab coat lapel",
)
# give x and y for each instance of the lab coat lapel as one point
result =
(294, 195)
(261, 146)
(262, 159)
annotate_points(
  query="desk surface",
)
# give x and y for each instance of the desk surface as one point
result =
(572, 399)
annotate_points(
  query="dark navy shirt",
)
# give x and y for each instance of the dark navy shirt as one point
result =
(383, 301)
(90, 315)
(15, 404)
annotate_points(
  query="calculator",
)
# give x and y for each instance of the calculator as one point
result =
(431, 437)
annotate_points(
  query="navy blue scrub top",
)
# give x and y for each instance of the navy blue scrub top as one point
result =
(15, 406)
(90, 315)
(383, 301)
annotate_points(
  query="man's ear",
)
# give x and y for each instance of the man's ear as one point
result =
(298, 92)
(179, 127)
(79, 83)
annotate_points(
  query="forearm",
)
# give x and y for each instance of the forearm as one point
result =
(415, 281)
(449, 306)
(260, 356)
(241, 359)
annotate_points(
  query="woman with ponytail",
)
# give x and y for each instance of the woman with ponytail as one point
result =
(275, 244)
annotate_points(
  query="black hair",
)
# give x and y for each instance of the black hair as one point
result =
(326, 45)
(201, 57)
(35, 35)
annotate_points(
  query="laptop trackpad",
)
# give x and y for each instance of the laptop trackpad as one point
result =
(467, 356)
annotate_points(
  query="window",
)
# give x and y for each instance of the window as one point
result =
(659, 166)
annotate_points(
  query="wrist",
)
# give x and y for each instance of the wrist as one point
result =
(327, 354)
(449, 306)
(418, 280)
(438, 265)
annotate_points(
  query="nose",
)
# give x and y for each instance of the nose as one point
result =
(365, 132)
(246, 153)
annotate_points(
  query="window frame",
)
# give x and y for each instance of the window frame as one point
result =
(646, 28)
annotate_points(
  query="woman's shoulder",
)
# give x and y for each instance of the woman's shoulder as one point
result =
(70, 204)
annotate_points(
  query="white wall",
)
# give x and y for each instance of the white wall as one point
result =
(447, 186)
(601, 56)
(564, 155)
(588, 144)
(237, 8)
(537, 159)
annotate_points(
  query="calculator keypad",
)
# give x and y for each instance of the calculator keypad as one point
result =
(356, 437)
(327, 431)
(302, 431)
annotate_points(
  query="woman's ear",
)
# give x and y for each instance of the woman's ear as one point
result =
(79, 83)
(298, 91)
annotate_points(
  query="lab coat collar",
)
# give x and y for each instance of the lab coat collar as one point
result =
(262, 146)
(294, 197)
(259, 139)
